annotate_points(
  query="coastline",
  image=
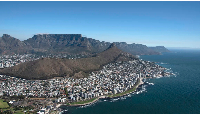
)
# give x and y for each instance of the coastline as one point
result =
(85, 103)
(110, 97)
(135, 87)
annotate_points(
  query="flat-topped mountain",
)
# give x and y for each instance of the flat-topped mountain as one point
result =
(47, 68)
(66, 43)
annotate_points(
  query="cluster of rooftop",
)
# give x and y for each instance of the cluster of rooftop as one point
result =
(12, 60)
(113, 78)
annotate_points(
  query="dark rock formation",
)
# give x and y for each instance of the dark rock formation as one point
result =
(11, 45)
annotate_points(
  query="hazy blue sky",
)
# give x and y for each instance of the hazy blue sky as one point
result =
(172, 24)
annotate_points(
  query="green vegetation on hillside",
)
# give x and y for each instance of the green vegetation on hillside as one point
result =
(66, 92)
(3, 104)
(17, 110)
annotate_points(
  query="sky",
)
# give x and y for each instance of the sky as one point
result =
(152, 23)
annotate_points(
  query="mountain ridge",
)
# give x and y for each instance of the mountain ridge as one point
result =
(68, 43)
(47, 68)
(159, 49)
(10, 44)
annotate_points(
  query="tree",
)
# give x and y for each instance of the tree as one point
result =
(66, 92)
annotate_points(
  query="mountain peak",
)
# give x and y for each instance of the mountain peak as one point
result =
(6, 35)
(112, 45)
(49, 68)
(69, 44)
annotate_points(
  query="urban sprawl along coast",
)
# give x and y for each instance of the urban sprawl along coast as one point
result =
(45, 96)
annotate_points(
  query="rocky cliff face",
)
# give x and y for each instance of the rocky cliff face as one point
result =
(11, 45)
(66, 43)
(75, 43)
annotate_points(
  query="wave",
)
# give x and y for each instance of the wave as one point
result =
(163, 63)
(151, 83)
(172, 73)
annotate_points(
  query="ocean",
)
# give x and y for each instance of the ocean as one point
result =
(178, 94)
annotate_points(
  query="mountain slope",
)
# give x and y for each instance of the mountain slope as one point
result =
(136, 49)
(50, 67)
(68, 44)
(65, 43)
(75, 43)
(11, 45)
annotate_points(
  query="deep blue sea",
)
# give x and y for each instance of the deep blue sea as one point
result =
(180, 94)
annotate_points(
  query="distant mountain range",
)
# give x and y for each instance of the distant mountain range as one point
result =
(47, 68)
(159, 49)
(69, 43)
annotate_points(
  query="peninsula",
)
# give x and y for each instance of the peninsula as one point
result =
(46, 68)
(42, 84)
(116, 78)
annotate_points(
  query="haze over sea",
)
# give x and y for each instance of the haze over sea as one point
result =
(180, 94)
